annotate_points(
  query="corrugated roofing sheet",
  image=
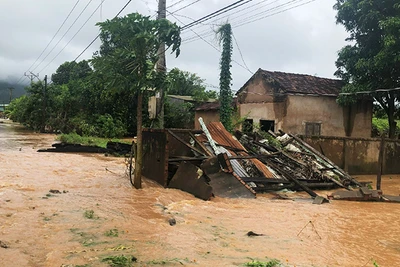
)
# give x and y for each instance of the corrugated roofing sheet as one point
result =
(223, 137)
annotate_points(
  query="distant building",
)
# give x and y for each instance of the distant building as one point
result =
(297, 103)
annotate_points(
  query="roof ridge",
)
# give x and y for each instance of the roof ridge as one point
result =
(300, 74)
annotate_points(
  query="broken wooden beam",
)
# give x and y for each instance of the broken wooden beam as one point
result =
(186, 143)
(337, 169)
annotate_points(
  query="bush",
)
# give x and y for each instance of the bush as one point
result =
(380, 126)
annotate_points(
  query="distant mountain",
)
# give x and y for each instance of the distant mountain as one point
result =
(5, 92)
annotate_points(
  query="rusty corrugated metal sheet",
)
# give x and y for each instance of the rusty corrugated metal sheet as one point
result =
(223, 137)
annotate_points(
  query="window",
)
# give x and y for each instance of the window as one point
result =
(313, 129)
(248, 126)
(266, 125)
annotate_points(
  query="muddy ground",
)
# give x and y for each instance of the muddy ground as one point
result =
(97, 214)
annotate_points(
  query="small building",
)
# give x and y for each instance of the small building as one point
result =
(298, 104)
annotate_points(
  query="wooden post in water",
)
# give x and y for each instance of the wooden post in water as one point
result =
(380, 163)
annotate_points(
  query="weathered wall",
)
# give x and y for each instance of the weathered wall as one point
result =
(259, 101)
(264, 111)
(207, 115)
(358, 155)
(325, 110)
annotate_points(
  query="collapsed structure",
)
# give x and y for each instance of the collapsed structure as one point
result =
(213, 162)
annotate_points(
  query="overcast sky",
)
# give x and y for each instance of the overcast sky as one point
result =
(304, 39)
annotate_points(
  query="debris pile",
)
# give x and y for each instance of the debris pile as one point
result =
(212, 161)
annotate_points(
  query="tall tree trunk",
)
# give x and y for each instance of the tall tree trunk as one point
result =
(391, 119)
(137, 182)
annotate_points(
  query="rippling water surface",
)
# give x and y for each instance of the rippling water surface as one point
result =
(100, 215)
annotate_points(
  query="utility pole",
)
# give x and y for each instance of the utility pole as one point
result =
(161, 64)
(32, 75)
(44, 104)
(11, 89)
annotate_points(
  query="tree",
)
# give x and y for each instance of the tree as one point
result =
(372, 61)
(71, 71)
(128, 57)
(224, 34)
(181, 82)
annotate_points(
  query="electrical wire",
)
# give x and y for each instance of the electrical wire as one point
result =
(232, 21)
(91, 15)
(210, 44)
(52, 39)
(216, 13)
(87, 47)
(188, 5)
(73, 23)
(253, 19)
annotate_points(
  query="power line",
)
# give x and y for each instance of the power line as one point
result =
(240, 52)
(54, 36)
(188, 5)
(216, 13)
(281, 11)
(252, 17)
(91, 15)
(80, 14)
(242, 9)
(87, 47)
(210, 44)
(246, 21)
(175, 4)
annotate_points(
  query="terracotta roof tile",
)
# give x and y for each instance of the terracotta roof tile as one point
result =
(293, 83)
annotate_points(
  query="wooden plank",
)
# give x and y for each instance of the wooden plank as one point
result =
(201, 145)
(338, 170)
(185, 143)
(289, 177)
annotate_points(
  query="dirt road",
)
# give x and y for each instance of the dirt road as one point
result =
(97, 214)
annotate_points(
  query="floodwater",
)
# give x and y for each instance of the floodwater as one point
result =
(100, 215)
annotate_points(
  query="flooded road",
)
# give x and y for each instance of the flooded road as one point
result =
(97, 214)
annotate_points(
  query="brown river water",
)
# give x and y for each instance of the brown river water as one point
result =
(100, 215)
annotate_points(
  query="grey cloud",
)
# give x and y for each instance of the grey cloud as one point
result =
(302, 40)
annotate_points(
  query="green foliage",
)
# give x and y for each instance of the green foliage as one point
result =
(118, 261)
(89, 214)
(225, 96)
(180, 82)
(179, 115)
(128, 54)
(380, 127)
(74, 138)
(112, 232)
(372, 61)
(270, 263)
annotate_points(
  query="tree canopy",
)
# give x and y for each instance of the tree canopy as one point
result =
(372, 59)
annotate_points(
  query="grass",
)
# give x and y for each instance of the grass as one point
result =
(270, 263)
(166, 261)
(118, 261)
(89, 214)
(74, 138)
(112, 232)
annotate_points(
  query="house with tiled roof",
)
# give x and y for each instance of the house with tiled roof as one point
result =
(300, 104)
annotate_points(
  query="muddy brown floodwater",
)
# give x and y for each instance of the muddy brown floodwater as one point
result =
(100, 215)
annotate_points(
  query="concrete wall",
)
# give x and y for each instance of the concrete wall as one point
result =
(264, 111)
(359, 155)
(259, 101)
(207, 115)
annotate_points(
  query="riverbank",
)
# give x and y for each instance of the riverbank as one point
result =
(97, 214)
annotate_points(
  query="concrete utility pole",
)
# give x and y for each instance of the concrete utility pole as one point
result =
(32, 75)
(161, 64)
(44, 104)
(11, 89)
